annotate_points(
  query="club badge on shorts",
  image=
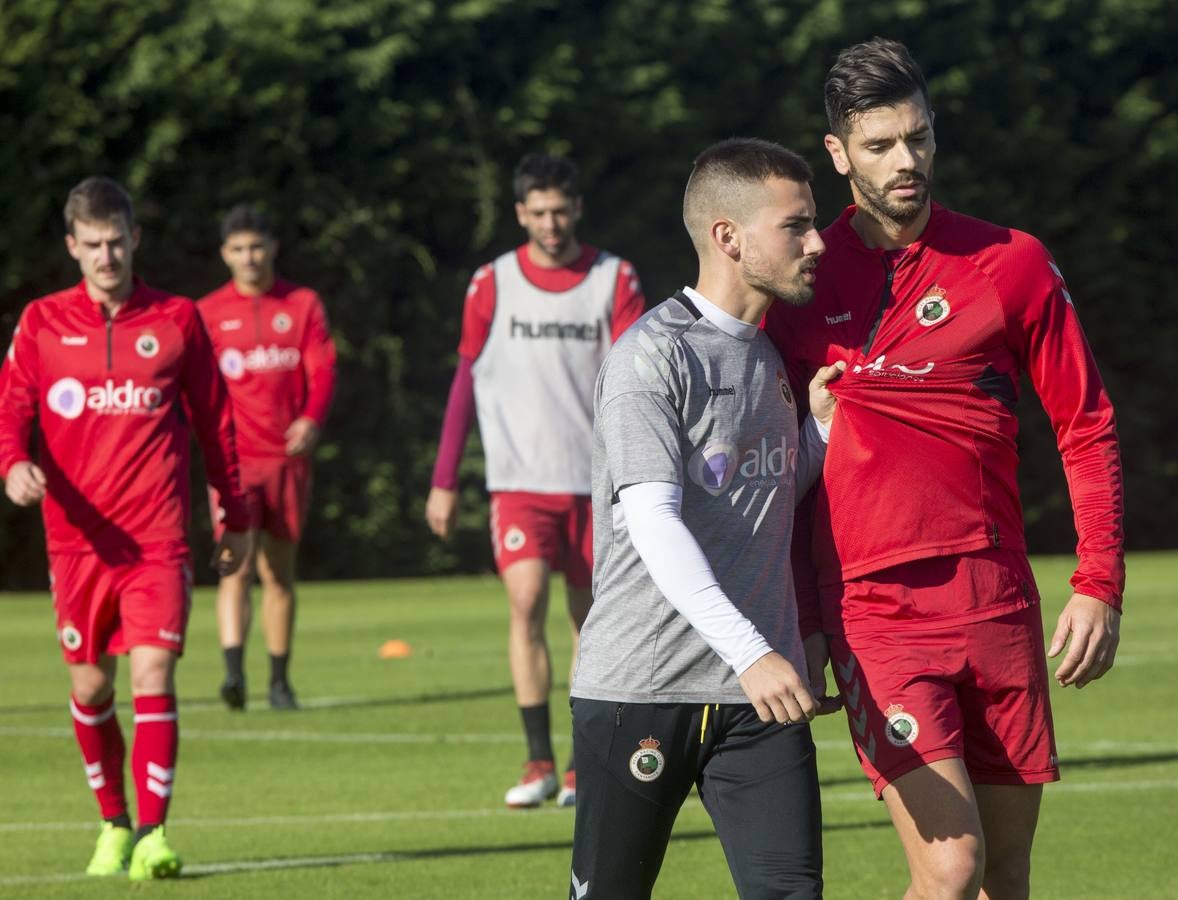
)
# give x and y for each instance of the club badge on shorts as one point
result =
(70, 637)
(514, 539)
(647, 763)
(902, 727)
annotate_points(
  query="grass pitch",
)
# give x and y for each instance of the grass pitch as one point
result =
(389, 782)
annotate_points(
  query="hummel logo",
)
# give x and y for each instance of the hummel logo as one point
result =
(841, 317)
(70, 341)
(230, 324)
(722, 392)
(580, 888)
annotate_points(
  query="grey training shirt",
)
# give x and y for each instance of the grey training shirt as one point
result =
(683, 401)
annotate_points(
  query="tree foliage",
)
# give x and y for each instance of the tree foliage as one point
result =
(382, 135)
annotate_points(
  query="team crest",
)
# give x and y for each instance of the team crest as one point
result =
(932, 308)
(281, 323)
(514, 539)
(71, 638)
(647, 763)
(147, 345)
(902, 728)
(783, 385)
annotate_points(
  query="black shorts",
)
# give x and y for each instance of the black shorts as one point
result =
(636, 764)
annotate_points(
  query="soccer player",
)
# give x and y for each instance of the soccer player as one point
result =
(922, 573)
(692, 667)
(278, 360)
(105, 378)
(537, 324)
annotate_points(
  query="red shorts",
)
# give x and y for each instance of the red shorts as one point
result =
(105, 609)
(978, 692)
(278, 494)
(557, 528)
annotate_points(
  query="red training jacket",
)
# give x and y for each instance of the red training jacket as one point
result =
(923, 455)
(111, 399)
(278, 359)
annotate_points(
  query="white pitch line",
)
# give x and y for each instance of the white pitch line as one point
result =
(315, 820)
(260, 865)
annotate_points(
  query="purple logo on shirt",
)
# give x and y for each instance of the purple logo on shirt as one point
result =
(67, 398)
(712, 467)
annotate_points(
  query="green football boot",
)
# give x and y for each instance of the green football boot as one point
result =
(153, 858)
(112, 852)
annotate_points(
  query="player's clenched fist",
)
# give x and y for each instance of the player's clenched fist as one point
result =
(25, 484)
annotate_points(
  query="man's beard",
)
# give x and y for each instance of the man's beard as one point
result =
(793, 292)
(876, 202)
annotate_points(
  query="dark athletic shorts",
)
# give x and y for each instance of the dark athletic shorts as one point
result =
(637, 763)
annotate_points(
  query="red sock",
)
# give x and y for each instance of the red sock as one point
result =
(103, 753)
(153, 758)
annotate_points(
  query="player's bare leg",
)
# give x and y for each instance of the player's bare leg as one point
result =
(1009, 814)
(93, 684)
(526, 582)
(234, 614)
(935, 813)
(276, 571)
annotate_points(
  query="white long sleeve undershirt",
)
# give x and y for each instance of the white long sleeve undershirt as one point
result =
(674, 558)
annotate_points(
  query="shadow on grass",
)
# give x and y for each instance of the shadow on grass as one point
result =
(247, 866)
(1117, 762)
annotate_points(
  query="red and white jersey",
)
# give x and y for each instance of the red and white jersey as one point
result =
(537, 338)
(923, 448)
(111, 400)
(278, 359)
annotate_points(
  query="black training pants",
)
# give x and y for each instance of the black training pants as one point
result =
(758, 782)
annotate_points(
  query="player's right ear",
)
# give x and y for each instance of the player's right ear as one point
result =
(726, 236)
(838, 154)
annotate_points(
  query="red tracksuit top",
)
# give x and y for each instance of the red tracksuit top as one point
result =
(278, 359)
(923, 455)
(111, 399)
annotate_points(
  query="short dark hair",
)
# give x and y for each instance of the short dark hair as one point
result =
(752, 159)
(542, 172)
(245, 217)
(98, 199)
(879, 72)
(724, 173)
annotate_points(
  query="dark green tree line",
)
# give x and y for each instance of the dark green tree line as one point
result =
(382, 134)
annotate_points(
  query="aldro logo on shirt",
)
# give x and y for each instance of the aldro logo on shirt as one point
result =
(714, 467)
(69, 398)
(234, 364)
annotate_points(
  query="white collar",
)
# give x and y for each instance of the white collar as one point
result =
(726, 322)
